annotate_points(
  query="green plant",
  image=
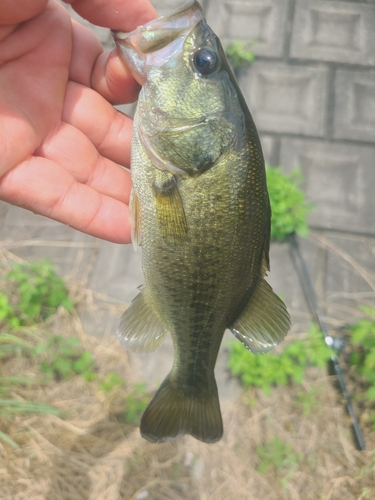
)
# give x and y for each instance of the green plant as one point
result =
(110, 382)
(7, 312)
(9, 406)
(135, 403)
(307, 400)
(13, 406)
(279, 456)
(268, 370)
(288, 204)
(63, 357)
(363, 355)
(239, 54)
(12, 345)
(35, 292)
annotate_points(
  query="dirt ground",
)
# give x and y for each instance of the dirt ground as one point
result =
(90, 453)
(294, 444)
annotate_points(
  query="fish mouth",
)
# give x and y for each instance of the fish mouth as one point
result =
(158, 41)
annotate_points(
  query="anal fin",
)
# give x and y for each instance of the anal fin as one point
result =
(140, 329)
(264, 322)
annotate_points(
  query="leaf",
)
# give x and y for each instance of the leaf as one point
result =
(7, 439)
(288, 205)
(370, 393)
(84, 363)
(368, 310)
(14, 406)
(239, 54)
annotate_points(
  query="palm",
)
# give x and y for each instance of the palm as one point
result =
(63, 139)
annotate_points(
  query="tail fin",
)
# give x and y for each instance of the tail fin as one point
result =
(173, 413)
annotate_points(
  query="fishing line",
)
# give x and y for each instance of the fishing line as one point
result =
(332, 342)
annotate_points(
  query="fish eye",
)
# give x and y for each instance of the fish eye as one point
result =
(205, 61)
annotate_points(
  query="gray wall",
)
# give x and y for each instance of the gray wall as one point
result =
(312, 94)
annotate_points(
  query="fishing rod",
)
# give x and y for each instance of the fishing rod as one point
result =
(332, 342)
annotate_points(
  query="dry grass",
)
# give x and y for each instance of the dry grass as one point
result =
(90, 453)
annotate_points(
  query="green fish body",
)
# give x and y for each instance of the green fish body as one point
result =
(201, 212)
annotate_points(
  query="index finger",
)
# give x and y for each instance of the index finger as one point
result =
(123, 15)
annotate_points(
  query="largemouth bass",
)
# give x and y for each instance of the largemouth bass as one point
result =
(201, 212)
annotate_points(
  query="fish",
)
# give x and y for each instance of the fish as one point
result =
(200, 211)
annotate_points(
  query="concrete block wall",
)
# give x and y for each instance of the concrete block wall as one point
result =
(312, 94)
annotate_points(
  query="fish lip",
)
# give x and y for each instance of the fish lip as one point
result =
(165, 32)
(189, 5)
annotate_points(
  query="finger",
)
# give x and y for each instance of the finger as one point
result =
(123, 15)
(71, 149)
(113, 80)
(20, 11)
(47, 189)
(86, 49)
(109, 130)
(106, 73)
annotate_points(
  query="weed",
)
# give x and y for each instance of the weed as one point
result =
(307, 400)
(110, 382)
(366, 493)
(239, 54)
(362, 357)
(288, 204)
(63, 357)
(36, 292)
(10, 345)
(135, 403)
(278, 456)
(7, 312)
(13, 406)
(273, 369)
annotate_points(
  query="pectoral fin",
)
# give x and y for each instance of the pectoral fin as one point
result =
(169, 210)
(140, 329)
(135, 220)
(264, 322)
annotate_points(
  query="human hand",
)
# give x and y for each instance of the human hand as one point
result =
(60, 139)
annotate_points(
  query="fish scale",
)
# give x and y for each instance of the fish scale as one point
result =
(200, 210)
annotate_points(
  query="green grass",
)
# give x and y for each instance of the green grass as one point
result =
(64, 357)
(279, 457)
(267, 371)
(135, 403)
(34, 293)
(362, 358)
